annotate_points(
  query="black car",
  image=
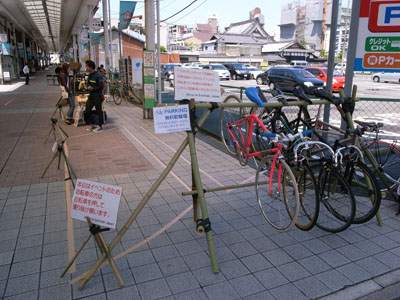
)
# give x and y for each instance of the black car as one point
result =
(168, 69)
(286, 79)
(238, 71)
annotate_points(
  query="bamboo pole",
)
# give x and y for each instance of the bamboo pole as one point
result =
(142, 203)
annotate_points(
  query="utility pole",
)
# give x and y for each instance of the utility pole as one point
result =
(106, 37)
(149, 24)
(158, 54)
(331, 57)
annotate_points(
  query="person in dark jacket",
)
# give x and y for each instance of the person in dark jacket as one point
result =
(95, 86)
(66, 83)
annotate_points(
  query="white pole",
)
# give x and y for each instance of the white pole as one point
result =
(149, 24)
(106, 37)
(159, 52)
(111, 35)
(91, 31)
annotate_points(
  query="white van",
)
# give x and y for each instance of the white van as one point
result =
(299, 63)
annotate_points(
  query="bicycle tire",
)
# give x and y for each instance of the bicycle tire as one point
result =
(308, 196)
(117, 96)
(387, 156)
(275, 209)
(365, 190)
(227, 116)
(338, 206)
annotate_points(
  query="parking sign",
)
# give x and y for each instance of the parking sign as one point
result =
(378, 44)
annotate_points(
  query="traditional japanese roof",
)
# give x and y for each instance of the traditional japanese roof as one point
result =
(203, 28)
(238, 39)
(292, 46)
(248, 27)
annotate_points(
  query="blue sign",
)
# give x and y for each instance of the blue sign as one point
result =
(95, 38)
(126, 9)
(6, 49)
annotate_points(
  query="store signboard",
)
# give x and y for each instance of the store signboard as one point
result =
(6, 49)
(378, 44)
(96, 24)
(3, 38)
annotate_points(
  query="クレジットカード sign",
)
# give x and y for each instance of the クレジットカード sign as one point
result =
(200, 85)
(171, 118)
(95, 200)
(378, 40)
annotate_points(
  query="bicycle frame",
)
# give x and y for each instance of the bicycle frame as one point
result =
(245, 143)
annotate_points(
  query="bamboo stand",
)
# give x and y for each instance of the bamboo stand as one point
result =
(59, 108)
(197, 183)
(96, 231)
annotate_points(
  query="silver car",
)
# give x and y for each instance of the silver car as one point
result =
(385, 77)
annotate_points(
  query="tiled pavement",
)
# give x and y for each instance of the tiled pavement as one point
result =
(255, 261)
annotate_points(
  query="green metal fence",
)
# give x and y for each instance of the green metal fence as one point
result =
(384, 110)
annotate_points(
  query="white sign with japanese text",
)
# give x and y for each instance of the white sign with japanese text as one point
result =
(98, 201)
(200, 85)
(378, 36)
(171, 118)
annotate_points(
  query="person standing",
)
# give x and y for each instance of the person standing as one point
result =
(26, 72)
(95, 86)
(66, 83)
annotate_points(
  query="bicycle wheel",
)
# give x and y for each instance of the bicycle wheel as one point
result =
(337, 208)
(229, 115)
(365, 190)
(278, 197)
(387, 156)
(117, 96)
(308, 196)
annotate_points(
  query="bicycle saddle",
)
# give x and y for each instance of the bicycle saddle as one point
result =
(279, 96)
(252, 94)
(368, 124)
(261, 95)
(321, 93)
(299, 93)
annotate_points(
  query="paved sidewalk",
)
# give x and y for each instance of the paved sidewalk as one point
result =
(255, 261)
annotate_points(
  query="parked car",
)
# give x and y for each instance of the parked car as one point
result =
(341, 68)
(237, 70)
(299, 63)
(386, 77)
(287, 78)
(168, 69)
(254, 71)
(223, 72)
(321, 73)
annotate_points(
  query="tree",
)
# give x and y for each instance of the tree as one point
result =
(340, 54)
(303, 43)
(162, 48)
(322, 53)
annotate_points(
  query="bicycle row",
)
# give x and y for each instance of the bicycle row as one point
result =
(310, 172)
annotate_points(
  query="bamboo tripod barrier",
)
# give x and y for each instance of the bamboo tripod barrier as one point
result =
(62, 150)
(189, 140)
(198, 193)
(95, 231)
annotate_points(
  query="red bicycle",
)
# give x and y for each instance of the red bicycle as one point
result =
(276, 188)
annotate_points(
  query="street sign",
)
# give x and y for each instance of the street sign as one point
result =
(171, 119)
(96, 200)
(200, 85)
(378, 43)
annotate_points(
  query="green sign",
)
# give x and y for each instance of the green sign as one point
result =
(148, 78)
(382, 44)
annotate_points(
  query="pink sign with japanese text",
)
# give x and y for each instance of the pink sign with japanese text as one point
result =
(95, 200)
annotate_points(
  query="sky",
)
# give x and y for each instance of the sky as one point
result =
(228, 11)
